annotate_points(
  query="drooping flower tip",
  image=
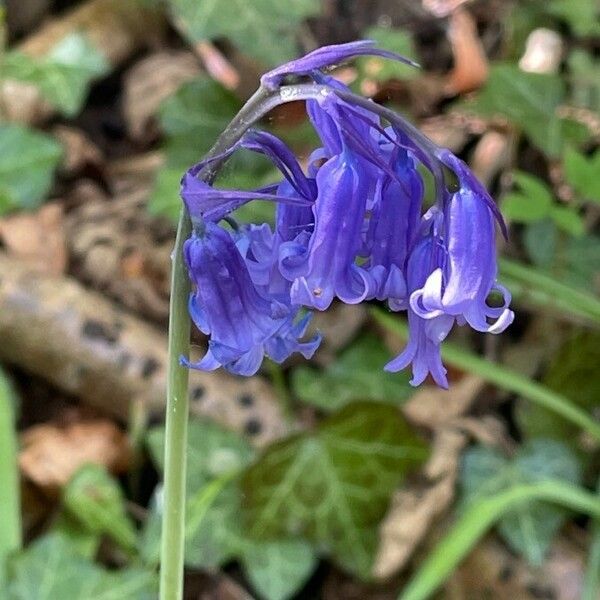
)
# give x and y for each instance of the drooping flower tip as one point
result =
(328, 56)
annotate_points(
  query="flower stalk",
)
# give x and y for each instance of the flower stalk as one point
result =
(177, 409)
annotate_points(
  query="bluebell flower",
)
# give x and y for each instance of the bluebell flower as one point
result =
(351, 227)
(243, 324)
(465, 276)
(425, 335)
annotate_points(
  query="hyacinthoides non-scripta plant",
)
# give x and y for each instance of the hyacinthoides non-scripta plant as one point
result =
(353, 226)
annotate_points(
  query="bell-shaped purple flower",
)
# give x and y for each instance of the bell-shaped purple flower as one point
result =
(325, 267)
(460, 285)
(243, 325)
(395, 213)
(425, 335)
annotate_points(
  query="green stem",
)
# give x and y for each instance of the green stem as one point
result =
(10, 523)
(173, 522)
(502, 377)
(478, 518)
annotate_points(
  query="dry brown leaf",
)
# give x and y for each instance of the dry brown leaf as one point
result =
(79, 150)
(50, 454)
(432, 407)
(492, 571)
(149, 82)
(491, 155)
(415, 508)
(217, 66)
(37, 238)
(338, 325)
(470, 62)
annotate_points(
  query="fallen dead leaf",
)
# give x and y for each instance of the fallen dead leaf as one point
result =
(37, 238)
(470, 62)
(414, 508)
(51, 454)
(149, 82)
(432, 407)
(338, 325)
(492, 571)
(79, 150)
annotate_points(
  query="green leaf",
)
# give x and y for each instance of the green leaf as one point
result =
(584, 71)
(278, 569)
(265, 29)
(164, 198)
(51, 569)
(333, 485)
(530, 101)
(540, 242)
(213, 533)
(573, 372)
(582, 173)
(355, 375)
(582, 257)
(567, 218)
(583, 16)
(213, 528)
(530, 527)
(382, 69)
(96, 500)
(64, 75)
(212, 451)
(27, 163)
(532, 203)
(194, 117)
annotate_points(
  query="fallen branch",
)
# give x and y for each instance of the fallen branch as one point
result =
(87, 346)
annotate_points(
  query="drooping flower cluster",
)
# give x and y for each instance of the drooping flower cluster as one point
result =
(354, 227)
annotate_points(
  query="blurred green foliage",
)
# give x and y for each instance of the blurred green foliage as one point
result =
(355, 375)
(63, 76)
(264, 29)
(28, 160)
(530, 528)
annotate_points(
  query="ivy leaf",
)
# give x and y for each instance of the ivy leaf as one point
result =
(213, 533)
(193, 118)
(213, 528)
(278, 569)
(50, 568)
(27, 163)
(582, 172)
(212, 451)
(64, 75)
(532, 203)
(96, 500)
(333, 485)
(356, 375)
(530, 100)
(265, 29)
(530, 528)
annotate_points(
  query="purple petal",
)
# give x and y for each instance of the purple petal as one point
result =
(327, 56)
